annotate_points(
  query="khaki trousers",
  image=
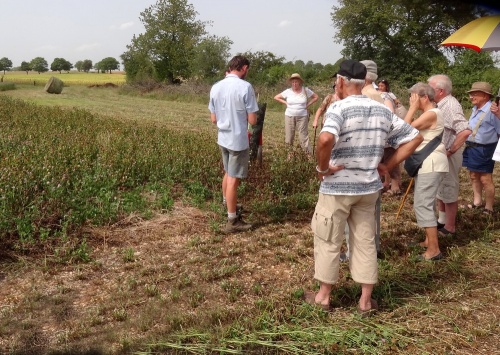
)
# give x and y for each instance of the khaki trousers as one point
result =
(299, 124)
(328, 223)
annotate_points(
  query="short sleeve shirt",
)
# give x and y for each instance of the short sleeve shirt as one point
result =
(454, 119)
(231, 99)
(362, 128)
(296, 103)
(489, 129)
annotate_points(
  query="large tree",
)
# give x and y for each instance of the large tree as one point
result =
(5, 64)
(402, 36)
(25, 66)
(169, 42)
(87, 65)
(260, 64)
(107, 64)
(60, 64)
(39, 65)
(212, 55)
(79, 65)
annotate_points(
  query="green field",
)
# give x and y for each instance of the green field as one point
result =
(111, 243)
(71, 78)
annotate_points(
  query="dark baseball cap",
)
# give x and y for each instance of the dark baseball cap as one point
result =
(352, 69)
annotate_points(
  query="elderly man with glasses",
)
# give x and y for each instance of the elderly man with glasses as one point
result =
(480, 146)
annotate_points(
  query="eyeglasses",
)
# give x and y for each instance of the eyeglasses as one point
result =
(473, 94)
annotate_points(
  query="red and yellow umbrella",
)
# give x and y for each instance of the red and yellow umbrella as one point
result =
(482, 34)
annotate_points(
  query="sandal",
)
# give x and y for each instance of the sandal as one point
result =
(443, 232)
(470, 206)
(309, 298)
(488, 212)
(437, 257)
(368, 312)
(392, 192)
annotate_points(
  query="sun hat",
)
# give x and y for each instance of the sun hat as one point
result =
(352, 69)
(481, 86)
(295, 76)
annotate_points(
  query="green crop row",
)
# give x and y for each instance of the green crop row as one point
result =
(62, 169)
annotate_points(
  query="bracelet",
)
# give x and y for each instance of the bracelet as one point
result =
(322, 172)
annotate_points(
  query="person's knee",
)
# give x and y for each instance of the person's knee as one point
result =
(486, 180)
(232, 182)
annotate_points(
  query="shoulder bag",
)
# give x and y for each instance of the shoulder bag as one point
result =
(414, 162)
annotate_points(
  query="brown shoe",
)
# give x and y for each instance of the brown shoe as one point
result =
(237, 225)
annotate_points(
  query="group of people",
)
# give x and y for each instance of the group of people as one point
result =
(358, 127)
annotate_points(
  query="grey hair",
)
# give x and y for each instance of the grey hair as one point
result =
(423, 89)
(371, 76)
(442, 82)
(357, 82)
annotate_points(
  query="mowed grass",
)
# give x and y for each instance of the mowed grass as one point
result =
(69, 78)
(148, 271)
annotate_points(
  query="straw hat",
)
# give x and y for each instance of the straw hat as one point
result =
(481, 86)
(295, 76)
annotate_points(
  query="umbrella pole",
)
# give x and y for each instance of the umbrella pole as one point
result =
(404, 198)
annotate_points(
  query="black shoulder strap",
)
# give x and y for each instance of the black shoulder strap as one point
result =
(433, 144)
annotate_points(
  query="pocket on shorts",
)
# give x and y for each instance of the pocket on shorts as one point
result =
(322, 223)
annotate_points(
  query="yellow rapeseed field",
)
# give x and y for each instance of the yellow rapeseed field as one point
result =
(71, 78)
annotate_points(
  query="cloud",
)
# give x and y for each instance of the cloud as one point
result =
(284, 23)
(123, 26)
(87, 47)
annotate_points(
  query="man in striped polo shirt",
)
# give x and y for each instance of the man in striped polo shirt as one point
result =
(349, 150)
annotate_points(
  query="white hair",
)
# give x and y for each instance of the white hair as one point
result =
(357, 82)
(371, 76)
(442, 81)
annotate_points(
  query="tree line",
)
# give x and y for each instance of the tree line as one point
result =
(40, 65)
(402, 36)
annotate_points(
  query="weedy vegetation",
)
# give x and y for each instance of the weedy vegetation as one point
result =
(111, 243)
(7, 86)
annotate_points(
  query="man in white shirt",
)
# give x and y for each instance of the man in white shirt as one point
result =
(232, 107)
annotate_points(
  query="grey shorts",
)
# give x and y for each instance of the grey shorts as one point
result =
(424, 198)
(235, 162)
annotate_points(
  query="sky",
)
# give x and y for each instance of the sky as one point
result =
(95, 29)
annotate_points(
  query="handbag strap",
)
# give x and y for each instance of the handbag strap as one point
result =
(433, 144)
(477, 127)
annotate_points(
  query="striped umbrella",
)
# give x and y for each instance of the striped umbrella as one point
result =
(482, 34)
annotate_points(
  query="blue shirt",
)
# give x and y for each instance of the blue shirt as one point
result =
(231, 99)
(489, 129)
